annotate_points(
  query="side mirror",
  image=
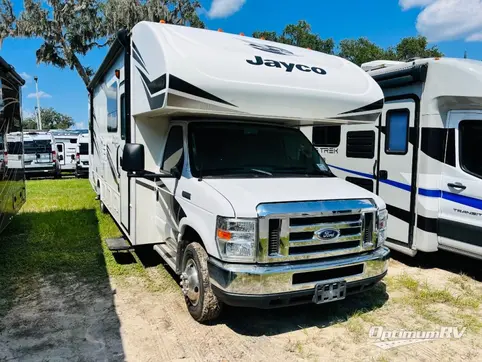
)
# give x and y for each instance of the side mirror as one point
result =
(175, 172)
(133, 157)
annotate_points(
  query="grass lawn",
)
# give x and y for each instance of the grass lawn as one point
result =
(60, 231)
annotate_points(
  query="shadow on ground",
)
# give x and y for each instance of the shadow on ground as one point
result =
(56, 301)
(451, 262)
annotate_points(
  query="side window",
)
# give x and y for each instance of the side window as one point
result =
(360, 144)
(470, 148)
(60, 148)
(174, 151)
(111, 94)
(326, 136)
(396, 140)
(123, 116)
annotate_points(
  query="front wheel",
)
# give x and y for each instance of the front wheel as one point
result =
(201, 302)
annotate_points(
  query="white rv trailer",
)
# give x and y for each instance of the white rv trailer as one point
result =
(422, 156)
(196, 150)
(39, 154)
(66, 147)
(12, 179)
(82, 155)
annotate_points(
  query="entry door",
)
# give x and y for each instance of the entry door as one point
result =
(123, 179)
(168, 208)
(460, 215)
(61, 152)
(397, 135)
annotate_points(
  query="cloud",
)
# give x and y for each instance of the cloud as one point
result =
(475, 37)
(224, 8)
(80, 125)
(41, 94)
(26, 76)
(441, 20)
(408, 4)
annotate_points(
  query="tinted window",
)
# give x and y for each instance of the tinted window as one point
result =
(123, 116)
(326, 136)
(84, 149)
(471, 147)
(15, 148)
(173, 153)
(397, 131)
(360, 144)
(111, 94)
(38, 146)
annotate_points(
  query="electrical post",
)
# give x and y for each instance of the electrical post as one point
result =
(39, 119)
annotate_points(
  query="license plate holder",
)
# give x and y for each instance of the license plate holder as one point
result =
(329, 292)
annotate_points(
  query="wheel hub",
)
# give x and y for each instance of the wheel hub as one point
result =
(190, 282)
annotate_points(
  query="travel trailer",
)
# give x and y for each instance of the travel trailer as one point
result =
(40, 156)
(12, 179)
(82, 155)
(422, 156)
(196, 150)
(66, 147)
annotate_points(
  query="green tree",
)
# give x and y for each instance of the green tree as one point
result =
(416, 46)
(360, 51)
(51, 119)
(69, 29)
(300, 35)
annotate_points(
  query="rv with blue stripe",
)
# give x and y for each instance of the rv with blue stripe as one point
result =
(422, 156)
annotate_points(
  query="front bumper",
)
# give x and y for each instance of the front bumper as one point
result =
(260, 285)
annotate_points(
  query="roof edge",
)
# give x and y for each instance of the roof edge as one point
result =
(9, 69)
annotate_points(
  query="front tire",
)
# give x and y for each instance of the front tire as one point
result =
(201, 302)
(103, 209)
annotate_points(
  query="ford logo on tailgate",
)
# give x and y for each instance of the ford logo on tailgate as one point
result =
(327, 234)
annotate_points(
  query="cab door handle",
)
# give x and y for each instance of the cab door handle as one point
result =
(457, 185)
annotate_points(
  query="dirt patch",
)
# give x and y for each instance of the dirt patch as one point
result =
(136, 321)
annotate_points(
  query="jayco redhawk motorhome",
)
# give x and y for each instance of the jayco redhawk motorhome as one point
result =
(12, 179)
(196, 150)
(422, 156)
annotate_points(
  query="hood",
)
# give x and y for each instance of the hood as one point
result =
(246, 194)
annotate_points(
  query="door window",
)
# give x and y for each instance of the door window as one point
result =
(470, 139)
(397, 131)
(174, 151)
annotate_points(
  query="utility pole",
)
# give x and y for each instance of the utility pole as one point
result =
(39, 120)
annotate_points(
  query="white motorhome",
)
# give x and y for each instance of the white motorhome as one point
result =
(12, 179)
(82, 155)
(196, 150)
(39, 154)
(423, 154)
(66, 147)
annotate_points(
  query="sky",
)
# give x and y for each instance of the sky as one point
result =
(455, 26)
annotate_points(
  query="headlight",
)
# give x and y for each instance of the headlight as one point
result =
(382, 226)
(236, 239)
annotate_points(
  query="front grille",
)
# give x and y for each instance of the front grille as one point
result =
(310, 235)
(274, 236)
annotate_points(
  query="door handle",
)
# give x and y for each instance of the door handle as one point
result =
(375, 168)
(457, 185)
(383, 175)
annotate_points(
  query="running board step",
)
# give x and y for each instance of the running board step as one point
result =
(118, 244)
(167, 254)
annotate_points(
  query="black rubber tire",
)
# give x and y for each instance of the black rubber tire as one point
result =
(209, 307)
(103, 209)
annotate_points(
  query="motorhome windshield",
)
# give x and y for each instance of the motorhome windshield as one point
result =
(37, 146)
(255, 150)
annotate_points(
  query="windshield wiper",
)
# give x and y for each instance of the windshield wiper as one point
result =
(261, 171)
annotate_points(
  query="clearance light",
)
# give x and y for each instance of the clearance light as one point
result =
(242, 34)
(162, 21)
(117, 73)
(220, 30)
(263, 38)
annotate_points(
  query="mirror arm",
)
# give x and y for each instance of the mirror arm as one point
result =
(149, 175)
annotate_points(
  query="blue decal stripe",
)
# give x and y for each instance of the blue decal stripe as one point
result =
(459, 199)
